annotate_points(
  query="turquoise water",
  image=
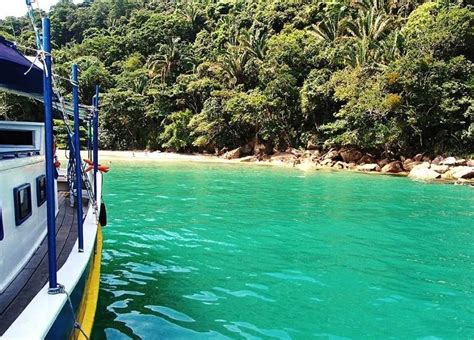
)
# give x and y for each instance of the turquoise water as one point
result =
(228, 251)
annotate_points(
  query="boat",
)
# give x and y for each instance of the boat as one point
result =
(50, 219)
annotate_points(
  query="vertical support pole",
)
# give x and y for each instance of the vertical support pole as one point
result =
(48, 125)
(77, 148)
(95, 120)
(89, 141)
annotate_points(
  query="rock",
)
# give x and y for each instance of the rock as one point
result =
(408, 166)
(327, 162)
(470, 162)
(426, 159)
(312, 154)
(418, 157)
(284, 157)
(369, 167)
(350, 155)
(233, 154)
(423, 173)
(383, 162)
(441, 169)
(463, 172)
(340, 165)
(437, 160)
(248, 159)
(393, 167)
(351, 165)
(448, 161)
(306, 165)
(367, 159)
(332, 155)
(294, 151)
(461, 162)
(311, 146)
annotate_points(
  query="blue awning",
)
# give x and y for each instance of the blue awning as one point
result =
(15, 77)
(13, 66)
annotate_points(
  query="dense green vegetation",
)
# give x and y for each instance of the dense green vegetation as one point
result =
(380, 75)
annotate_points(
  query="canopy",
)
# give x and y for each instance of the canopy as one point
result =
(15, 77)
(13, 66)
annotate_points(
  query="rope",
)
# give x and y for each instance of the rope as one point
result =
(77, 325)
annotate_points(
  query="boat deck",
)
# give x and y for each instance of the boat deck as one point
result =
(34, 275)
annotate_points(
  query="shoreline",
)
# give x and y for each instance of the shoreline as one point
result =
(285, 160)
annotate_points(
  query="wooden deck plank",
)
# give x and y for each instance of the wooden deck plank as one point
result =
(35, 274)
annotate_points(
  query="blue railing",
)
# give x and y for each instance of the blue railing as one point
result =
(48, 123)
(75, 168)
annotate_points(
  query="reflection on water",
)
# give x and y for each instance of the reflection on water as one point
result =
(218, 251)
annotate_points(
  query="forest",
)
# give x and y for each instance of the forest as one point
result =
(385, 76)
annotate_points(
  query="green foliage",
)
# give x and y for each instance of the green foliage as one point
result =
(204, 75)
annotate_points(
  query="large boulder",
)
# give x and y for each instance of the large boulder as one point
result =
(439, 168)
(451, 161)
(383, 162)
(418, 157)
(233, 154)
(367, 159)
(369, 167)
(350, 155)
(284, 157)
(437, 160)
(393, 167)
(332, 155)
(340, 165)
(463, 172)
(423, 173)
(408, 165)
(327, 162)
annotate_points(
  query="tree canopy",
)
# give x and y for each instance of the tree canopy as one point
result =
(379, 75)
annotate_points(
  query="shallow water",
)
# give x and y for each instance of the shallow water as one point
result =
(231, 251)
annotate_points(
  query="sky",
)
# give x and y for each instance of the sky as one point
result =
(18, 7)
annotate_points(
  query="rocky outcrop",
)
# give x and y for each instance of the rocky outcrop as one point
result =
(394, 167)
(369, 167)
(233, 154)
(437, 160)
(422, 172)
(439, 168)
(463, 172)
(350, 155)
(332, 155)
(367, 159)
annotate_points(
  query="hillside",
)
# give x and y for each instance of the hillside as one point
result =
(381, 76)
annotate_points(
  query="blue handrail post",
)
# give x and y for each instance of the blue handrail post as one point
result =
(48, 125)
(95, 120)
(77, 148)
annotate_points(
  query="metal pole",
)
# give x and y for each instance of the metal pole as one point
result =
(95, 120)
(77, 148)
(48, 125)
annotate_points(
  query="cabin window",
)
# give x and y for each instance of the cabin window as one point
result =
(16, 137)
(41, 190)
(1, 225)
(22, 195)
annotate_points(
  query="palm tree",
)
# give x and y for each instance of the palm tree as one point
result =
(256, 43)
(168, 58)
(233, 63)
(329, 29)
(369, 26)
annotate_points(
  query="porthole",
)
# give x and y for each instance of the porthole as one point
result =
(22, 197)
(41, 190)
